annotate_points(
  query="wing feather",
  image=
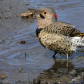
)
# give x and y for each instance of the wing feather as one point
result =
(64, 29)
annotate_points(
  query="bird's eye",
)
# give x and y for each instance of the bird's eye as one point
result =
(44, 12)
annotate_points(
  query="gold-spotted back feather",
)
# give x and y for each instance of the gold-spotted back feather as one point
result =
(63, 28)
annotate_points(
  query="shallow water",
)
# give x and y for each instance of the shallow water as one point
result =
(14, 29)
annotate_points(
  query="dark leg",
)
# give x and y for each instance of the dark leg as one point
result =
(54, 55)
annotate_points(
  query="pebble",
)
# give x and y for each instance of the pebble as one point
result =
(44, 82)
(49, 82)
(73, 72)
(82, 73)
(22, 42)
(3, 76)
(36, 81)
(20, 70)
(56, 75)
(63, 70)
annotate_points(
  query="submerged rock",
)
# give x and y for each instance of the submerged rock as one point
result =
(2, 76)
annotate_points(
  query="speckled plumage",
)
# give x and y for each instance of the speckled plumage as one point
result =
(62, 28)
(58, 36)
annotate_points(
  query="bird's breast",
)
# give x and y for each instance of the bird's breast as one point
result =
(55, 42)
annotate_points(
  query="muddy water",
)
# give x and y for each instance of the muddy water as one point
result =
(38, 59)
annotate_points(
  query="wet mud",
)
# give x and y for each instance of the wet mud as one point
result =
(29, 62)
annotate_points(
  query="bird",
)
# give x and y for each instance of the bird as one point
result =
(60, 37)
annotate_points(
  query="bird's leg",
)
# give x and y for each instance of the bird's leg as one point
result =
(54, 55)
(67, 57)
(67, 60)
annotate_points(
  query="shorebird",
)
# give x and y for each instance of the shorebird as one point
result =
(60, 37)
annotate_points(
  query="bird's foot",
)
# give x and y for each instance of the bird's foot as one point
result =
(54, 57)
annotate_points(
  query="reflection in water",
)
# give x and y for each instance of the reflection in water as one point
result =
(59, 73)
(58, 67)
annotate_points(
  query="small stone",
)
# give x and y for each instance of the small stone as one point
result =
(73, 72)
(29, 14)
(63, 70)
(44, 82)
(18, 15)
(56, 75)
(70, 82)
(82, 73)
(20, 70)
(22, 42)
(6, 17)
(76, 79)
(6, 81)
(3, 76)
(36, 81)
(54, 82)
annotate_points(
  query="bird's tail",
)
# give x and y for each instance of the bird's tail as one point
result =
(81, 35)
(77, 42)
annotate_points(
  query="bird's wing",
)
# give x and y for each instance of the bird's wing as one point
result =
(64, 29)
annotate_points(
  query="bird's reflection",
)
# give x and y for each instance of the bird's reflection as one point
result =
(59, 67)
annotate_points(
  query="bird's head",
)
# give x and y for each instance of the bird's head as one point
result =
(46, 16)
